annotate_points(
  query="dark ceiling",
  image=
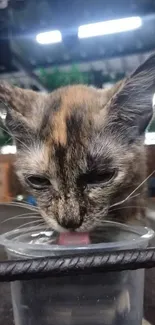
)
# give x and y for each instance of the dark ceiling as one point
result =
(21, 20)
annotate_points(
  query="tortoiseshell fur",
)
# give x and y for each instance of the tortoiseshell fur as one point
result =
(77, 130)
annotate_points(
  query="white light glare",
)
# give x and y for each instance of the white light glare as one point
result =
(153, 101)
(8, 150)
(149, 138)
(49, 37)
(109, 27)
(2, 115)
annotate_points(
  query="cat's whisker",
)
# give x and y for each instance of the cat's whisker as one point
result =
(101, 212)
(6, 142)
(30, 228)
(128, 207)
(47, 228)
(6, 130)
(31, 223)
(129, 196)
(9, 133)
(20, 205)
(24, 216)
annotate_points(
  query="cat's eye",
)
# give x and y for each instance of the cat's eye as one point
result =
(102, 177)
(98, 178)
(38, 182)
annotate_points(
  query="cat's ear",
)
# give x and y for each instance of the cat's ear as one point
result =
(131, 108)
(24, 108)
(17, 101)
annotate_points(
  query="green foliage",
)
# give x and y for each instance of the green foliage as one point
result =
(55, 78)
(5, 138)
(151, 127)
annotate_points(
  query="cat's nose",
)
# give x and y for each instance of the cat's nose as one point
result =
(71, 223)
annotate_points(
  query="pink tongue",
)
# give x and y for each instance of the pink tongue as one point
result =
(73, 238)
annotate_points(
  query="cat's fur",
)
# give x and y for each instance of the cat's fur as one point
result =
(89, 143)
(89, 146)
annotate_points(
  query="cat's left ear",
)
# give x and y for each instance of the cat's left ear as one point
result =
(131, 108)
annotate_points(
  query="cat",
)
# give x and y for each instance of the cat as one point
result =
(80, 151)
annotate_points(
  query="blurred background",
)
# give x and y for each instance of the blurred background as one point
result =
(45, 44)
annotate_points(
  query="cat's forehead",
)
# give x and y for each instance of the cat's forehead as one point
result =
(70, 109)
(66, 131)
(63, 129)
(72, 95)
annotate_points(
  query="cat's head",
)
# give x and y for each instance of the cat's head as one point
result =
(79, 149)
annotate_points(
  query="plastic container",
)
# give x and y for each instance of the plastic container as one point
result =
(93, 299)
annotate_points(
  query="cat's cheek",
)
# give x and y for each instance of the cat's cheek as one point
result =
(95, 219)
(95, 193)
(98, 198)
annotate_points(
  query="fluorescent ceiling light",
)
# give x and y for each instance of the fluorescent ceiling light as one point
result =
(109, 27)
(49, 37)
